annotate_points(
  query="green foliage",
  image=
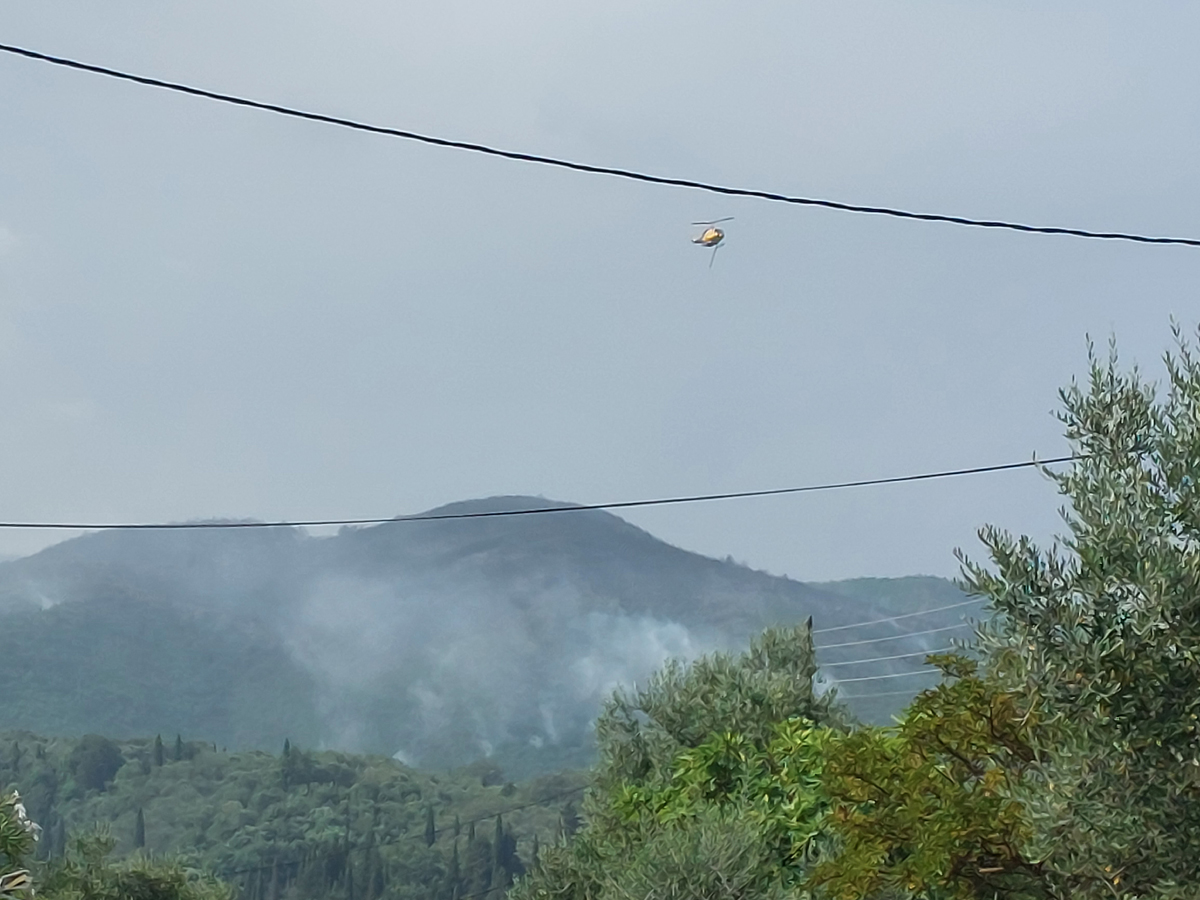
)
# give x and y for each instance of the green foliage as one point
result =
(707, 785)
(1102, 635)
(17, 833)
(929, 806)
(640, 734)
(95, 761)
(86, 873)
(346, 822)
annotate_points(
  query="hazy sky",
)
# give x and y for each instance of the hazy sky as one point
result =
(208, 311)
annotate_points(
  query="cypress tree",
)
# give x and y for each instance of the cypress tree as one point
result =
(534, 854)
(470, 833)
(139, 830)
(178, 748)
(430, 828)
(158, 750)
(498, 846)
(285, 764)
(457, 827)
(59, 838)
(454, 874)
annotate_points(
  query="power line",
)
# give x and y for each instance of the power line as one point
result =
(894, 637)
(540, 510)
(587, 167)
(874, 659)
(921, 612)
(890, 675)
(873, 696)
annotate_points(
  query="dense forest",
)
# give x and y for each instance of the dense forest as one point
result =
(298, 823)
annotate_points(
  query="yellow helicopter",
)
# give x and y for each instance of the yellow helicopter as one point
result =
(711, 236)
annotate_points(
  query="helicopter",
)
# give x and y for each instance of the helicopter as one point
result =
(711, 236)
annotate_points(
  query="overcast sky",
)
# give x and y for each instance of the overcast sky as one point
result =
(209, 311)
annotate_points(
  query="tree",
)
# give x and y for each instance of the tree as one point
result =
(1100, 634)
(931, 806)
(158, 750)
(688, 764)
(17, 837)
(139, 830)
(178, 748)
(86, 873)
(430, 827)
(94, 761)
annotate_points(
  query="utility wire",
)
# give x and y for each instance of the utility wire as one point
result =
(890, 675)
(875, 659)
(539, 510)
(586, 167)
(893, 637)
(920, 612)
(873, 696)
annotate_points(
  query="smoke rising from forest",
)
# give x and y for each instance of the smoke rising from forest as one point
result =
(439, 642)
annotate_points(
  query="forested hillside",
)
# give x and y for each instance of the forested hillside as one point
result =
(318, 822)
(441, 641)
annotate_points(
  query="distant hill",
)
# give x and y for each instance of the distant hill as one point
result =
(435, 641)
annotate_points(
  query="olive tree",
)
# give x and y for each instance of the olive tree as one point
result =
(1100, 635)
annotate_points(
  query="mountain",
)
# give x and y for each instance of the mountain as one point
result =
(435, 641)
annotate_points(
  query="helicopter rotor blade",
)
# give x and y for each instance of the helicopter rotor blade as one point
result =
(715, 221)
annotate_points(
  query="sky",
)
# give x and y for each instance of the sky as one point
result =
(208, 311)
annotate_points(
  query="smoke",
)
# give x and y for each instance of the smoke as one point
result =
(439, 642)
(454, 679)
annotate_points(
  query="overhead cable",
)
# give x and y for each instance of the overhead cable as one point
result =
(894, 637)
(890, 675)
(540, 510)
(875, 659)
(873, 696)
(587, 167)
(920, 612)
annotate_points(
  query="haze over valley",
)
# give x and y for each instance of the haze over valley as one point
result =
(437, 642)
